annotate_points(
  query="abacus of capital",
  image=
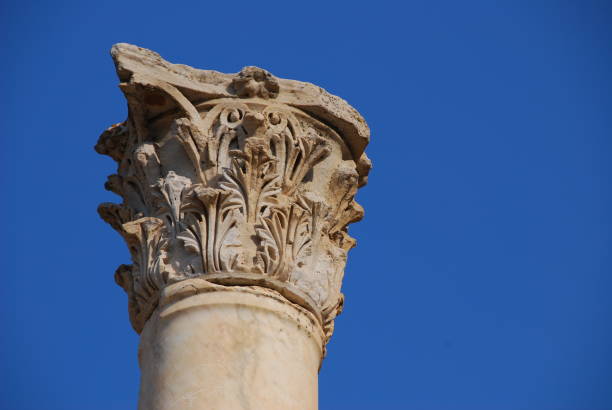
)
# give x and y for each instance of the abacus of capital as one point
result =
(237, 192)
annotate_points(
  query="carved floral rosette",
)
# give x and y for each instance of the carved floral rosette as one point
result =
(238, 190)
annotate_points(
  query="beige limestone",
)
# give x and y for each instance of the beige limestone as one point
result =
(238, 188)
(254, 350)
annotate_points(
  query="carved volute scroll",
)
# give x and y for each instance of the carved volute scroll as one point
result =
(242, 180)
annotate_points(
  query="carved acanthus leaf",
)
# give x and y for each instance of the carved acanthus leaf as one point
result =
(115, 215)
(251, 179)
(113, 141)
(148, 248)
(170, 194)
(207, 224)
(240, 187)
(347, 211)
(284, 236)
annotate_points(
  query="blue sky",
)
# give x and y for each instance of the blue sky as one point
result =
(482, 277)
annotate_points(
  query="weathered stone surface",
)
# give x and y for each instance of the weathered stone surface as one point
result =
(231, 348)
(144, 68)
(237, 179)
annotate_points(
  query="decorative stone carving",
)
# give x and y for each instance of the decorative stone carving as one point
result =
(241, 180)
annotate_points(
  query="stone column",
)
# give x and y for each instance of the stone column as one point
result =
(237, 192)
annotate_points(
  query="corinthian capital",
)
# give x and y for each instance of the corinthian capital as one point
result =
(237, 179)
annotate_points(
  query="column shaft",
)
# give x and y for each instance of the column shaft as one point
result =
(230, 349)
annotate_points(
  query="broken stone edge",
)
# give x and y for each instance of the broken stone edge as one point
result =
(203, 85)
